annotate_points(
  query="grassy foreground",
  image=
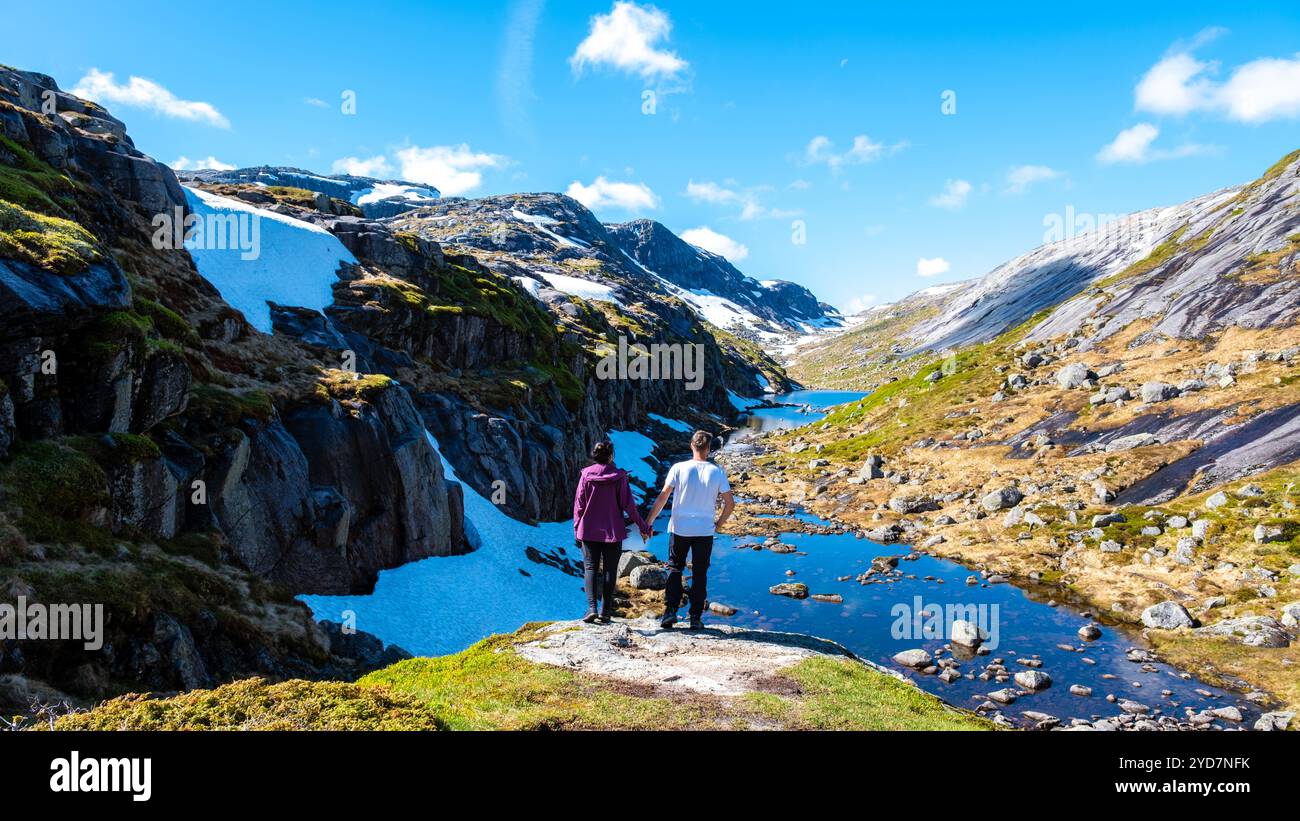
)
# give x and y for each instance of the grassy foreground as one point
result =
(490, 687)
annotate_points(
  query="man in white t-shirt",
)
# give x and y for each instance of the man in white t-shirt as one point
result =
(694, 486)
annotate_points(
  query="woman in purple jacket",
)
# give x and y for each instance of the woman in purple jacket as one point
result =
(603, 500)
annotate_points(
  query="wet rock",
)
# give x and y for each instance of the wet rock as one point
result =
(966, 634)
(830, 598)
(1227, 714)
(1080, 690)
(915, 659)
(1090, 632)
(794, 590)
(1167, 615)
(1004, 696)
(722, 609)
(1033, 680)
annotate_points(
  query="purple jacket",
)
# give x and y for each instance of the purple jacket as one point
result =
(603, 497)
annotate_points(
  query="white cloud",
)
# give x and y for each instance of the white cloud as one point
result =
(454, 169)
(369, 167)
(751, 207)
(211, 163)
(931, 267)
(1021, 177)
(1255, 92)
(316, 102)
(1135, 146)
(627, 39)
(141, 93)
(954, 195)
(629, 196)
(858, 304)
(710, 240)
(821, 149)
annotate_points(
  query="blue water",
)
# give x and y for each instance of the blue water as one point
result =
(793, 417)
(1021, 622)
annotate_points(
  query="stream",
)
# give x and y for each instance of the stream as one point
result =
(880, 619)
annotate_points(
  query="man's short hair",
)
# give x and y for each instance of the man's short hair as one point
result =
(702, 440)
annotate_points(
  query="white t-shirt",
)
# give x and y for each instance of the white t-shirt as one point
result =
(696, 486)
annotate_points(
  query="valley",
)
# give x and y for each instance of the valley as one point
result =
(287, 462)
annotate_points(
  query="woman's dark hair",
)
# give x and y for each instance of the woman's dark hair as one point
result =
(602, 452)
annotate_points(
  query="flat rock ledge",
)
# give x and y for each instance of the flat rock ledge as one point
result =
(720, 660)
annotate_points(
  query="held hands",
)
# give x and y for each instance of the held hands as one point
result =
(646, 534)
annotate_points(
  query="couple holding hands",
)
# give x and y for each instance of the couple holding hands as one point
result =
(604, 507)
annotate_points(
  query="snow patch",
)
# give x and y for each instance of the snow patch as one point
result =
(296, 264)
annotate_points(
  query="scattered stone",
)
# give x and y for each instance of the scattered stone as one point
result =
(1252, 631)
(913, 658)
(1080, 690)
(721, 609)
(794, 590)
(1004, 696)
(830, 598)
(1216, 501)
(1033, 680)
(1167, 615)
(966, 634)
(1274, 722)
(1002, 499)
(1158, 392)
(1090, 632)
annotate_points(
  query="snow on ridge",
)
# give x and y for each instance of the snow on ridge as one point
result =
(542, 223)
(583, 288)
(385, 190)
(296, 262)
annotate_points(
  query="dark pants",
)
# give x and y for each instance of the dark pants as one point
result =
(700, 549)
(600, 558)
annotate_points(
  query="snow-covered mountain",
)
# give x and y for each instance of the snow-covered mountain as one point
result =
(375, 197)
(721, 293)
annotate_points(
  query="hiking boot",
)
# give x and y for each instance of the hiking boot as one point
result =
(606, 618)
(591, 617)
(668, 620)
(697, 623)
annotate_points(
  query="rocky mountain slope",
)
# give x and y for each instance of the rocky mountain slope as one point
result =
(192, 431)
(374, 198)
(1116, 414)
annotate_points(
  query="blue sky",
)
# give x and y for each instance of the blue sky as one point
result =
(767, 116)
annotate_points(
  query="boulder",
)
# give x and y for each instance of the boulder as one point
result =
(1267, 533)
(1216, 501)
(631, 560)
(1033, 680)
(649, 577)
(1158, 392)
(966, 634)
(1074, 375)
(1002, 499)
(1275, 721)
(1291, 615)
(1252, 631)
(1167, 615)
(913, 658)
(872, 468)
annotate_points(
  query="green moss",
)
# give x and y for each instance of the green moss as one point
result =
(349, 386)
(167, 322)
(111, 450)
(226, 408)
(53, 243)
(32, 184)
(255, 704)
(52, 491)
